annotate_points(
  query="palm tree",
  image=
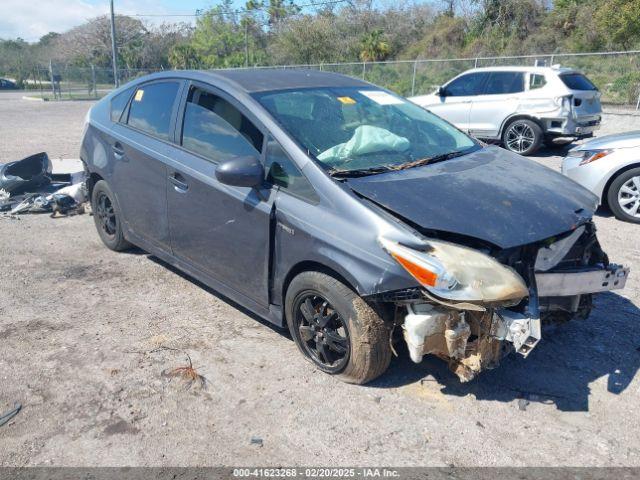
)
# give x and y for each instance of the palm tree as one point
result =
(374, 46)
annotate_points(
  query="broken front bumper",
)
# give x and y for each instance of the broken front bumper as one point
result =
(471, 340)
(564, 284)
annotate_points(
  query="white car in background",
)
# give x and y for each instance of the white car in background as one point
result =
(610, 167)
(522, 107)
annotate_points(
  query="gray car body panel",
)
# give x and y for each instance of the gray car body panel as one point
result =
(338, 231)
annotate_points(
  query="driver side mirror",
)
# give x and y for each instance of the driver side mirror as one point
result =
(241, 172)
(441, 92)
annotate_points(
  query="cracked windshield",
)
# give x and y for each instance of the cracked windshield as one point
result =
(364, 131)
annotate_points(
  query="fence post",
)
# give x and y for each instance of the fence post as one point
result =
(475, 65)
(39, 80)
(364, 69)
(413, 79)
(638, 102)
(93, 81)
(551, 61)
(53, 85)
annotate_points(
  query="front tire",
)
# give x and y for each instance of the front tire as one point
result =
(624, 196)
(336, 329)
(107, 218)
(522, 136)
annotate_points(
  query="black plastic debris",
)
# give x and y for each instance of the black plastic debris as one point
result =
(31, 203)
(30, 173)
(257, 441)
(62, 204)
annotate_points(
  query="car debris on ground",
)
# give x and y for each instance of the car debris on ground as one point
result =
(36, 184)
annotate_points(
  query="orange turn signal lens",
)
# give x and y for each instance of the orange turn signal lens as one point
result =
(595, 157)
(424, 276)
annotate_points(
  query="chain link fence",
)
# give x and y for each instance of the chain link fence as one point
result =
(617, 74)
(65, 82)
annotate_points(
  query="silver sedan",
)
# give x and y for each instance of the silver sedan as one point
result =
(610, 167)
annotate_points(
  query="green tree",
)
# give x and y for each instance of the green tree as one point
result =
(183, 56)
(374, 46)
(619, 21)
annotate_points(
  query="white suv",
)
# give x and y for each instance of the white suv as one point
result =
(519, 106)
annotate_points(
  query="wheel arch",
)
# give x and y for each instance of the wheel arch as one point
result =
(519, 116)
(315, 266)
(605, 191)
(92, 180)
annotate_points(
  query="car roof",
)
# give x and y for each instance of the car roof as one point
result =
(518, 68)
(253, 80)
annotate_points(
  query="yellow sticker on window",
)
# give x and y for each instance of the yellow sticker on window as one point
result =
(139, 95)
(347, 100)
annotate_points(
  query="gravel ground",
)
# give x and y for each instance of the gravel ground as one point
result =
(86, 333)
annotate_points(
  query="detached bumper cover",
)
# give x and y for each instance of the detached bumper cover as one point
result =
(555, 284)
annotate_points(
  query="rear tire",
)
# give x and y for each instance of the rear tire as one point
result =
(336, 329)
(107, 218)
(623, 196)
(522, 136)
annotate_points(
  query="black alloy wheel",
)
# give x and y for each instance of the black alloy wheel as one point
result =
(322, 332)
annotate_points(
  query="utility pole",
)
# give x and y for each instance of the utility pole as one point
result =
(246, 43)
(114, 52)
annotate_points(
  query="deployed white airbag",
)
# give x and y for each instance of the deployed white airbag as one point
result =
(366, 139)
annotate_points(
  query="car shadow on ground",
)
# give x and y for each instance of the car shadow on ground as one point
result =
(555, 150)
(283, 331)
(560, 370)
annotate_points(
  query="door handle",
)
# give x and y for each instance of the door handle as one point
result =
(118, 151)
(179, 183)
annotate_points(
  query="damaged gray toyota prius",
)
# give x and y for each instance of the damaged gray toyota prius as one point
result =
(347, 213)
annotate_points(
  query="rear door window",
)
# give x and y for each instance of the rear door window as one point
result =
(469, 84)
(501, 83)
(577, 81)
(152, 107)
(214, 128)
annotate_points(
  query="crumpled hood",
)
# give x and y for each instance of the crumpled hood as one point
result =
(491, 194)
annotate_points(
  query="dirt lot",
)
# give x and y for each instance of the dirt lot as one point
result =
(83, 331)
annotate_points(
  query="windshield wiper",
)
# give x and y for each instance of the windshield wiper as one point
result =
(428, 160)
(363, 172)
(359, 172)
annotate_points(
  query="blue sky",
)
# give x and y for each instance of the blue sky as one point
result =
(30, 19)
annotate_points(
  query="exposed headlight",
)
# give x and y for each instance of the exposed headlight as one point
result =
(589, 156)
(458, 273)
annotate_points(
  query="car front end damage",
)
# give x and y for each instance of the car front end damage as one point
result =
(476, 306)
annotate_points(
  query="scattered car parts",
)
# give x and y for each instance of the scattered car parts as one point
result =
(37, 185)
(30, 173)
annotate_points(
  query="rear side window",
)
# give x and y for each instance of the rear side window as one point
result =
(470, 84)
(119, 103)
(577, 81)
(536, 81)
(505, 82)
(215, 129)
(151, 108)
